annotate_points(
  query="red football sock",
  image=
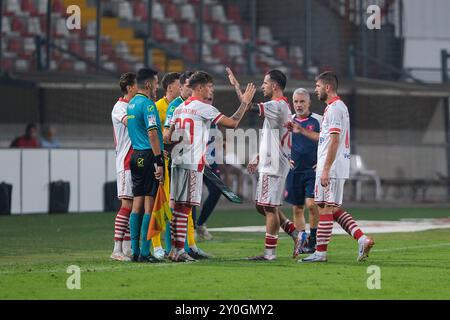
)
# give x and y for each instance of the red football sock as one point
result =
(271, 244)
(180, 220)
(288, 227)
(347, 223)
(121, 224)
(324, 231)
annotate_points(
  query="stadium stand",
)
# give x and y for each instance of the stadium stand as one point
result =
(123, 28)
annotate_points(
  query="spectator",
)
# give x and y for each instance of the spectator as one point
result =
(48, 137)
(28, 140)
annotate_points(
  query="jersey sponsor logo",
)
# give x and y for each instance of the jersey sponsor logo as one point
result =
(131, 106)
(130, 116)
(140, 162)
(151, 120)
(346, 155)
(150, 108)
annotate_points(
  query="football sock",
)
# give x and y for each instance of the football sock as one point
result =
(121, 224)
(180, 221)
(117, 246)
(167, 237)
(145, 244)
(289, 227)
(135, 228)
(270, 244)
(324, 232)
(347, 223)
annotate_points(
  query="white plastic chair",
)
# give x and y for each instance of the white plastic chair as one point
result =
(360, 173)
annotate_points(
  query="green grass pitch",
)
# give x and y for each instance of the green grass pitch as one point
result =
(36, 250)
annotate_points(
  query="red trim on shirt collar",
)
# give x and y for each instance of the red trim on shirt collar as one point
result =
(123, 100)
(334, 100)
(282, 98)
(190, 99)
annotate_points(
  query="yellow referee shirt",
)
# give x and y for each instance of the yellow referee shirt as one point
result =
(162, 105)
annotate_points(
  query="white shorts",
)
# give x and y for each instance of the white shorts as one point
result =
(124, 185)
(331, 195)
(270, 190)
(186, 186)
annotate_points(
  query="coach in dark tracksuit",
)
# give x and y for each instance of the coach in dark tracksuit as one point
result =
(301, 179)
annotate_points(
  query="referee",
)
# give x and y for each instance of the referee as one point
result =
(144, 129)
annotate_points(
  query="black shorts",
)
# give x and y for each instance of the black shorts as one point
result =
(143, 173)
(299, 185)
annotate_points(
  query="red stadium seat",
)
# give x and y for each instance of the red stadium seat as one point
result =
(247, 32)
(282, 53)
(219, 51)
(158, 32)
(234, 13)
(29, 6)
(188, 51)
(220, 33)
(140, 10)
(7, 64)
(207, 17)
(58, 7)
(107, 48)
(75, 47)
(171, 11)
(188, 32)
(15, 45)
(66, 65)
(18, 26)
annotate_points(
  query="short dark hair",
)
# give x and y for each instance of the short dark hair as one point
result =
(279, 77)
(329, 78)
(185, 75)
(144, 74)
(169, 78)
(127, 79)
(199, 78)
(29, 127)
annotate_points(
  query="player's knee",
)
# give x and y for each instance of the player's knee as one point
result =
(312, 208)
(260, 209)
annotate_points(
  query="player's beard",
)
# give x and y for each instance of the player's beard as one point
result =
(323, 96)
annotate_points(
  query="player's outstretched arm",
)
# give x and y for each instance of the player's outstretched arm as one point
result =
(234, 83)
(236, 118)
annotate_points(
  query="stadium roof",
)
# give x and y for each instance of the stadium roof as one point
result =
(360, 86)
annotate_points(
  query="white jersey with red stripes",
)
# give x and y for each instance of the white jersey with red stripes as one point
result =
(275, 140)
(336, 120)
(192, 119)
(122, 141)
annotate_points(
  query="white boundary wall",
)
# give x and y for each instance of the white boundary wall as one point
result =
(31, 170)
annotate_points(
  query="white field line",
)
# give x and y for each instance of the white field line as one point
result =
(368, 226)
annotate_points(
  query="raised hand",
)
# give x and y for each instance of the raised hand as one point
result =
(231, 77)
(249, 93)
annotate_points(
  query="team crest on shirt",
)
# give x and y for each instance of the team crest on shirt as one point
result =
(310, 127)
